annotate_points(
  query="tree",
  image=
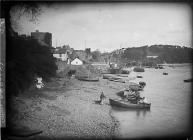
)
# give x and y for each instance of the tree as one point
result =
(25, 57)
(96, 55)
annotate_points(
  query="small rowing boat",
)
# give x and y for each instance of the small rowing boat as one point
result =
(129, 105)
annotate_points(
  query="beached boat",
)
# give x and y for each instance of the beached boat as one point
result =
(87, 78)
(110, 76)
(117, 80)
(115, 70)
(122, 75)
(124, 71)
(138, 69)
(126, 104)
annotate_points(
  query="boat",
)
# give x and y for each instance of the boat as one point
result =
(188, 80)
(117, 80)
(122, 75)
(121, 94)
(165, 73)
(139, 76)
(160, 67)
(129, 105)
(111, 76)
(124, 71)
(115, 70)
(138, 69)
(86, 78)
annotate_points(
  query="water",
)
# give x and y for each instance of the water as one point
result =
(170, 112)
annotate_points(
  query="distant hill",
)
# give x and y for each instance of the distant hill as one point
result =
(164, 53)
(160, 54)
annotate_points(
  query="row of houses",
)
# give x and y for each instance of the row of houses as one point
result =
(62, 53)
(67, 54)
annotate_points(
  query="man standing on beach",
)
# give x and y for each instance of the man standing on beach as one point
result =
(102, 96)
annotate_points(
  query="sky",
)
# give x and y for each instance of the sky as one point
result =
(110, 26)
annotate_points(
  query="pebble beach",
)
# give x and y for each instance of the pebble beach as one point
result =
(68, 108)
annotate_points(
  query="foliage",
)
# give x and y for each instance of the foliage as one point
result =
(96, 55)
(26, 58)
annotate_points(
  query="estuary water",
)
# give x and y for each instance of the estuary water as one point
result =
(171, 100)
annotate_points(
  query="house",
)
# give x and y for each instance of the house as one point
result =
(62, 53)
(76, 61)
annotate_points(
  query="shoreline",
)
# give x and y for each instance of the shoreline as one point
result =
(116, 125)
(67, 109)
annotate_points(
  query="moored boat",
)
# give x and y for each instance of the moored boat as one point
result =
(165, 73)
(129, 105)
(188, 80)
(139, 76)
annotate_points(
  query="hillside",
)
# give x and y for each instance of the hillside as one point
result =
(164, 53)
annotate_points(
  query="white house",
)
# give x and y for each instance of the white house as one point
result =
(76, 61)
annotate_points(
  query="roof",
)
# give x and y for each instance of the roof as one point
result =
(77, 61)
(60, 50)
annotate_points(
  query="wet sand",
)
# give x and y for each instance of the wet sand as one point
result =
(68, 108)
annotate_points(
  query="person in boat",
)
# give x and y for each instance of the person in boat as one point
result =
(143, 101)
(132, 95)
(137, 95)
(128, 93)
(102, 96)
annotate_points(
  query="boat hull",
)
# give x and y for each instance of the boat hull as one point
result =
(124, 104)
(89, 79)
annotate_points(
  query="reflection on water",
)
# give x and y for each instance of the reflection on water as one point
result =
(170, 99)
(138, 112)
